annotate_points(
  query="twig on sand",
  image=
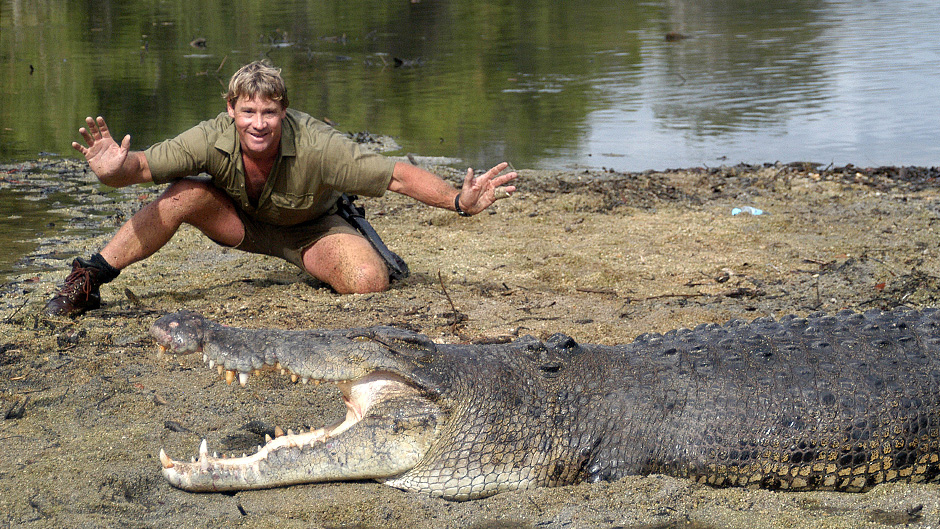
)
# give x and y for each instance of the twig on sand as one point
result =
(452, 306)
(591, 290)
(740, 292)
(9, 319)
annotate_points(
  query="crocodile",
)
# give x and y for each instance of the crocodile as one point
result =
(838, 402)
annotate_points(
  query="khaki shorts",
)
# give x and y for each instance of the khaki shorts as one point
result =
(289, 242)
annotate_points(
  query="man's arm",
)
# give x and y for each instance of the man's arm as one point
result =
(115, 165)
(477, 193)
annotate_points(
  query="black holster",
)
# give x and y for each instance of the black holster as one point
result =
(355, 216)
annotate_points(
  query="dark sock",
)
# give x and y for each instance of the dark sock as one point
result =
(109, 272)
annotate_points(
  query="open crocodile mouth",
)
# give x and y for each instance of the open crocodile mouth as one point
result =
(214, 472)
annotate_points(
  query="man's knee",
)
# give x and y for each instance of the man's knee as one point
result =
(365, 278)
(348, 263)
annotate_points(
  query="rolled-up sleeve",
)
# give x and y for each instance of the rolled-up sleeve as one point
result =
(354, 170)
(184, 155)
(332, 159)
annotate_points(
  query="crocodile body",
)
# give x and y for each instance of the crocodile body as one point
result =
(841, 402)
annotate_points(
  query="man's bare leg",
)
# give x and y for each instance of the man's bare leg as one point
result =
(348, 263)
(196, 203)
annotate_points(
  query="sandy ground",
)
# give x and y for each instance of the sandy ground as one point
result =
(87, 405)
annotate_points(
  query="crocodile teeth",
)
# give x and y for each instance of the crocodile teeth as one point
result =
(243, 379)
(220, 369)
(211, 364)
(229, 377)
(161, 349)
(294, 378)
(205, 358)
(278, 432)
(204, 455)
(165, 460)
(267, 439)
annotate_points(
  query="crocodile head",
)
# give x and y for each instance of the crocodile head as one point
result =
(394, 413)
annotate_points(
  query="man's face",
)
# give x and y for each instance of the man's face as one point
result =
(258, 122)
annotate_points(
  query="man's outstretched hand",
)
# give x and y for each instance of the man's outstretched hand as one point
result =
(479, 192)
(105, 157)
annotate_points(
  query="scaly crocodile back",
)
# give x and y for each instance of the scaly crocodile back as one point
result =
(839, 402)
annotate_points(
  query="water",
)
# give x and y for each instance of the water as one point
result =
(544, 84)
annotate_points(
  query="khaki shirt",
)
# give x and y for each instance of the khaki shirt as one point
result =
(315, 164)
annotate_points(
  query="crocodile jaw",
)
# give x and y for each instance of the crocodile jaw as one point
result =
(324, 454)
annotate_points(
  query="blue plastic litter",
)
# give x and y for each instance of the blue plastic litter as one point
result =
(747, 209)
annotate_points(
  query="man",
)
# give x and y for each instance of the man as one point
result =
(276, 175)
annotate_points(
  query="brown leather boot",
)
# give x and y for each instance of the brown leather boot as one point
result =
(80, 291)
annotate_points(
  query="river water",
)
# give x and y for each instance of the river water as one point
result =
(544, 84)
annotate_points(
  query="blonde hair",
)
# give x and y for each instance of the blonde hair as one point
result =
(255, 79)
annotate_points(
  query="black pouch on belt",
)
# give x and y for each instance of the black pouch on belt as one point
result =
(355, 216)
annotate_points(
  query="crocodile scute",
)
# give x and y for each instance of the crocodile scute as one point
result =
(827, 402)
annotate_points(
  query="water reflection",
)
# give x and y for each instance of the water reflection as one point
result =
(836, 82)
(541, 83)
(774, 42)
(21, 215)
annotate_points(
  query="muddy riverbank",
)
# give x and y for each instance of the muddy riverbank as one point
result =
(601, 256)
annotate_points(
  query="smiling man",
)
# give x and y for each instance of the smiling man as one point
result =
(276, 176)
